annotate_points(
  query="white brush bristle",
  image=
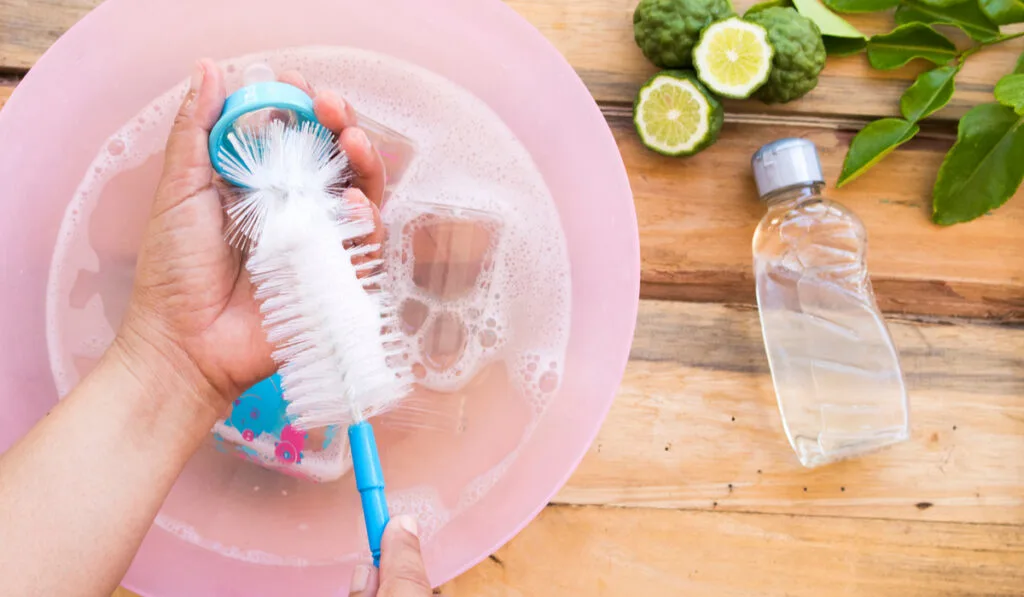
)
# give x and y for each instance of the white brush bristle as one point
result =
(273, 163)
(333, 327)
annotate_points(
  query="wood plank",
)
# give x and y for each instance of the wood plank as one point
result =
(695, 425)
(617, 552)
(698, 215)
(938, 515)
(602, 551)
(6, 89)
(596, 37)
(597, 551)
(31, 26)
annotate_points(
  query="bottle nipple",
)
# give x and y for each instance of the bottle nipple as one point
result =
(258, 72)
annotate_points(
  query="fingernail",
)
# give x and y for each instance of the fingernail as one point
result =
(354, 196)
(333, 97)
(362, 139)
(360, 578)
(197, 77)
(409, 524)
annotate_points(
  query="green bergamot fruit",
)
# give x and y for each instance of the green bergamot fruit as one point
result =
(799, 54)
(676, 115)
(666, 30)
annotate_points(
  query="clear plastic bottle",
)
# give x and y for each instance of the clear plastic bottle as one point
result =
(835, 368)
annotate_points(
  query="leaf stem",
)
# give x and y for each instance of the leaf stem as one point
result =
(977, 48)
(1003, 38)
(968, 52)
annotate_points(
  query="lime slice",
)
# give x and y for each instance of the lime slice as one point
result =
(675, 115)
(733, 57)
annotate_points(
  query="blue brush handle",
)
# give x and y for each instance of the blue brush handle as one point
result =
(370, 482)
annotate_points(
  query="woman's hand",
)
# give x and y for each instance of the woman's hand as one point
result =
(401, 573)
(192, 305)
(97, 468)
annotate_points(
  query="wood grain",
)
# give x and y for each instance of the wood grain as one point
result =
(694, 448)
(29, 27)
(596, 36)
(7, 85)
(601, 551)
(698, 215)
(691, 487)
(695, 425)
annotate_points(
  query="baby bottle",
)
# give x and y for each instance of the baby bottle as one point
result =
(834, 367)
(257, 428)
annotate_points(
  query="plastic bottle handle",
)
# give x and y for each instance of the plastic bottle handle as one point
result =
(370, 482)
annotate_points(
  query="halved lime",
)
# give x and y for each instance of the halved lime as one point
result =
(733, 57)
(675, 115)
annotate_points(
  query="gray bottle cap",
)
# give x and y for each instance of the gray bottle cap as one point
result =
(785, 163)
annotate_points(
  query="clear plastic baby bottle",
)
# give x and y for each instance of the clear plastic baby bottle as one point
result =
(835, 369)
(397, 151)
(257, 428)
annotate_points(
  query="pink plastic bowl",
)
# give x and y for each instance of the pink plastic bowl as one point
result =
(129, 51)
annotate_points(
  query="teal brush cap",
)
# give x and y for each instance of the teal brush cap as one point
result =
(251, 98)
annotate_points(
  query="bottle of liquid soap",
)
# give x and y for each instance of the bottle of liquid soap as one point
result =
(834, 366)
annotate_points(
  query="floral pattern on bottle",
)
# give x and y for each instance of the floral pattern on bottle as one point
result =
(289, 449)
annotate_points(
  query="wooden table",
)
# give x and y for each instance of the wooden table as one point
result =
(691, 488)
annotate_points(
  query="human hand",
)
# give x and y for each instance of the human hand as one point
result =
(192, 306)
(402, 573)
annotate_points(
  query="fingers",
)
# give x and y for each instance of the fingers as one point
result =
(365, 162)
(334, 112)
(187, 162)
(331, 109)
(340, 118)
(402, 573)
(365, 581)
(356, 198)
(294, 78)
(205, 100)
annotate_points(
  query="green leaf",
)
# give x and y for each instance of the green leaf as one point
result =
(1019, 69)
(840, 37)
(967, 16)
(1010, 92)
(907, 42)
(843, 46)
(768, 4)
(1003, 12)
(829, 22)
(983, 169)
(931, 91)
(944, 3)
(874, 142)
(860, 5)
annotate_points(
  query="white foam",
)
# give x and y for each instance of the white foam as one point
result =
(483, 483)
(424, 505)
(189, 534)
(467, 158)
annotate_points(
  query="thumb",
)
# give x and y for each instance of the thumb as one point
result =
(402, 573)
(187, 168)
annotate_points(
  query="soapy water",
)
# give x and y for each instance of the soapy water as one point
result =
(478, 262)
